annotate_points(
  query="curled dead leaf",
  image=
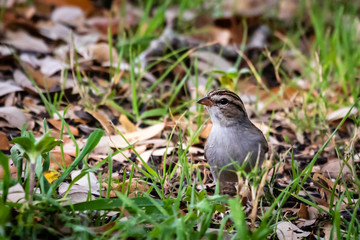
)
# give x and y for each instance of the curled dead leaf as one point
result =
(103, 120)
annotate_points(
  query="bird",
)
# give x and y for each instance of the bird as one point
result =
(233, 138)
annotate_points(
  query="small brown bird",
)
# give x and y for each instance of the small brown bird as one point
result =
(233, 137)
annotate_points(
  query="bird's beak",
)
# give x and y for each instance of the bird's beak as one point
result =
(205, 101)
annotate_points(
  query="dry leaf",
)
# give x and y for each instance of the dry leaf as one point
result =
(68, 15)
(333, 167)
(140, 135)
(43, 81)
(4, 142)
(161, 151)
(49, 66)
(84, 181)
(85, 5)
(209, 61)
(100, 52)
(32, 104)
(56, 159)
(146, 155)
(287, 230)
(52, 175)
(105, 123)
(102, 24)
(76, 194)
(285, 97)
(12, 169)
(9, 86)
(16, 194)
(23, 81)
(304, 223)
(55, 31)
(303, 213)
(127, 124)
(341, 113)
(14, 117)
(57, 125)
(324, 182)
(136, 187)
(25, 42)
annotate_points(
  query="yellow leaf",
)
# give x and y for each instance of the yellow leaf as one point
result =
(52, 175)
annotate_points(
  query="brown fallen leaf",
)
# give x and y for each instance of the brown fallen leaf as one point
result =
(57, 125)
(303, 213)
(12, 168)
(43, 81)
(56, 159)
(323, 182)
(85, 5)
(100, 52)
(127, 124)
(4, 142)
(32, 104)
(105, 123)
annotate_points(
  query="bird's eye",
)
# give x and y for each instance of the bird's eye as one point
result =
(224, 101)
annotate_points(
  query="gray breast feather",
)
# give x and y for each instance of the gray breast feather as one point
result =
(229, 146)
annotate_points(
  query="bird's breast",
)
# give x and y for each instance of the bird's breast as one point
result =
(227, 144)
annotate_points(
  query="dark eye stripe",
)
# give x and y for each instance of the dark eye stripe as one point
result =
(229, 102)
